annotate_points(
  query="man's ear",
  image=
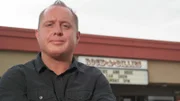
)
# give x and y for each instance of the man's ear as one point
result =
(78, 34)
(36, 34)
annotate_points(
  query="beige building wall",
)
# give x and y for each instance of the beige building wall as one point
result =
(11, 58)
(159, 71)
(164, 72)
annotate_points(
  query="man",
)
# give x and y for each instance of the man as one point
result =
(55, 75)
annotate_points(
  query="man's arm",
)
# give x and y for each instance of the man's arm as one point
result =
(13, 85)
(103, 91)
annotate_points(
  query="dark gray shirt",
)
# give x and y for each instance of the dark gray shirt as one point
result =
(33, 81)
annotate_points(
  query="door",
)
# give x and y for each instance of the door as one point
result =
(131, 98)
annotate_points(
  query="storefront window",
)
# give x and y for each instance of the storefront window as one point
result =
(145, 98)
(160, 98)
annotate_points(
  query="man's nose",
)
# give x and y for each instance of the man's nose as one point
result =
(58, 30)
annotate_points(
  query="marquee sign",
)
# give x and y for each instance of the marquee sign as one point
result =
(119, 76)
(119, 71)
(113, 62)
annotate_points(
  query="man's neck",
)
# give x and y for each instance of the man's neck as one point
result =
(58, 66)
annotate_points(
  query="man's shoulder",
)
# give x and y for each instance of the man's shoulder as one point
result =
(22, 67)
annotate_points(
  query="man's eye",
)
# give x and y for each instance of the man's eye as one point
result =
(67, 26)
(49, 24)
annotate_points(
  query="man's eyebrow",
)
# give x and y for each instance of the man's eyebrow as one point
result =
(48, 21)
(65, 22)
(53, 21)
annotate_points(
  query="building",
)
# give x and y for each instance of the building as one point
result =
(150, 69)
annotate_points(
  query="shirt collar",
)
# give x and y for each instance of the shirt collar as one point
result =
(40, 66)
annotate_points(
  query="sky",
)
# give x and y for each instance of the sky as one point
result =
(143, 19)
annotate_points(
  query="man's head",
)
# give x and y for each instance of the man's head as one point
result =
(57, 32)
(59, 3)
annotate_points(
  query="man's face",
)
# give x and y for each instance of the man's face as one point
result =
(58, 33)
